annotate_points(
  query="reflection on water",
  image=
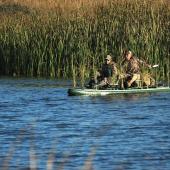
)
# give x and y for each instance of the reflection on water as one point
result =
(40, 124)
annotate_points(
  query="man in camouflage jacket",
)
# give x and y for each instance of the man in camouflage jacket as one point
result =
(133, 67)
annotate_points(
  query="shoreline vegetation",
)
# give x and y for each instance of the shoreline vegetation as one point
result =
(69, 38)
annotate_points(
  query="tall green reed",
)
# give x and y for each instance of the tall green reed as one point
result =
(64, 44)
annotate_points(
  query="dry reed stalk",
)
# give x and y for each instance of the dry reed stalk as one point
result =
(50, 161)
(88, 165)
(6, 163)
(33, 159)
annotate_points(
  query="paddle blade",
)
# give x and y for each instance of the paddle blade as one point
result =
(156, 65)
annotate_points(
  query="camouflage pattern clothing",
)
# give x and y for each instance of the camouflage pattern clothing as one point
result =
(108, 74)
(104, 77)
(133, 66)
(133, 70)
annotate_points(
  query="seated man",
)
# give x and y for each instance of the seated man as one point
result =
(106, 76)
(133, 69)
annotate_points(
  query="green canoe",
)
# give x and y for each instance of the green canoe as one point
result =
(96, 92)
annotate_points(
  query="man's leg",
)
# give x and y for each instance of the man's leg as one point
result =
(133, 79)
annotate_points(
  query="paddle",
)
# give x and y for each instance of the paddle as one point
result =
(154, 66)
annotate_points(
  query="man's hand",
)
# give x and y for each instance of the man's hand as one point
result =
(149, 66)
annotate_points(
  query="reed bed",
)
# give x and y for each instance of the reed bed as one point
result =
(67, 39)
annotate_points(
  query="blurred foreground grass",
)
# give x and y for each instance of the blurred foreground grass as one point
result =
(52, 157)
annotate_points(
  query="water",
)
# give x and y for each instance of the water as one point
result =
(120, 133)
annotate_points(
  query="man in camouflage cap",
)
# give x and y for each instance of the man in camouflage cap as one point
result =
(107, 76)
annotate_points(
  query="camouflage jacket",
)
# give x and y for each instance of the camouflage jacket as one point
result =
(133, 66)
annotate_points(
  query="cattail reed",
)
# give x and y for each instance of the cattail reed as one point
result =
(59, 39)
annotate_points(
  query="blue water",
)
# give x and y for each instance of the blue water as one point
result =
(129, 132)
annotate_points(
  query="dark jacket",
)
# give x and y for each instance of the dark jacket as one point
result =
(108, 70)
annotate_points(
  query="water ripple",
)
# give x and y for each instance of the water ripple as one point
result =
(126, 132)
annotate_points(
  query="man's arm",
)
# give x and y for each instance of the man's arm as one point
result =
(144, 63)
(114, 69)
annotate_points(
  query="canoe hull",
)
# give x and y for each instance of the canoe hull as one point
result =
(96, 92)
